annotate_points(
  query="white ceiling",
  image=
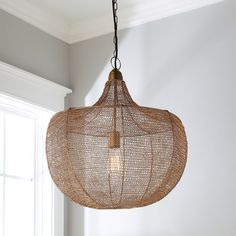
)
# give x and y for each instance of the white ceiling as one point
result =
(77, 20)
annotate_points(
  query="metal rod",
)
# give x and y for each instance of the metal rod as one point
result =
(114, 106)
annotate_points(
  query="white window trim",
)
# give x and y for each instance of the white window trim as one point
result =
(32, 88)
(46, 94)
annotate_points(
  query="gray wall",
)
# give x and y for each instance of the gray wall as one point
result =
(186, 64)
(30, 49)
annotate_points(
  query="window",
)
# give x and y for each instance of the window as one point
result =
(27, 194)
(47, 213)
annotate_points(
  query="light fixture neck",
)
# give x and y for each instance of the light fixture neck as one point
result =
(115, 74)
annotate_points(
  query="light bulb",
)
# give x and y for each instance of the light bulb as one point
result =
(115, 162)
(115, 158)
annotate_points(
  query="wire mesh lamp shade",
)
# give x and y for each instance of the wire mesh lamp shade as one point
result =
(116, 154)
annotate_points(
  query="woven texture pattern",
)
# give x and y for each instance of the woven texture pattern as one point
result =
(147, 165)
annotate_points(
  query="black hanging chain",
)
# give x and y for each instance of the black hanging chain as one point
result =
(115, 59)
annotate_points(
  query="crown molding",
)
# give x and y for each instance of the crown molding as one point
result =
(43, 20)
(149, 10)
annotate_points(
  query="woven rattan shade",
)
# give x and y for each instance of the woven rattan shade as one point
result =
(145, 168)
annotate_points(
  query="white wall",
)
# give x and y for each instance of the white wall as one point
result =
(186, 64)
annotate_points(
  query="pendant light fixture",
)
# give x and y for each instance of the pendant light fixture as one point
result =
(116, 154)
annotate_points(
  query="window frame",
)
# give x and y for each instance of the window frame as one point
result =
(37, 91)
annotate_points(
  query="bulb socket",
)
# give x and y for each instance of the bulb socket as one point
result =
(114, 139)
